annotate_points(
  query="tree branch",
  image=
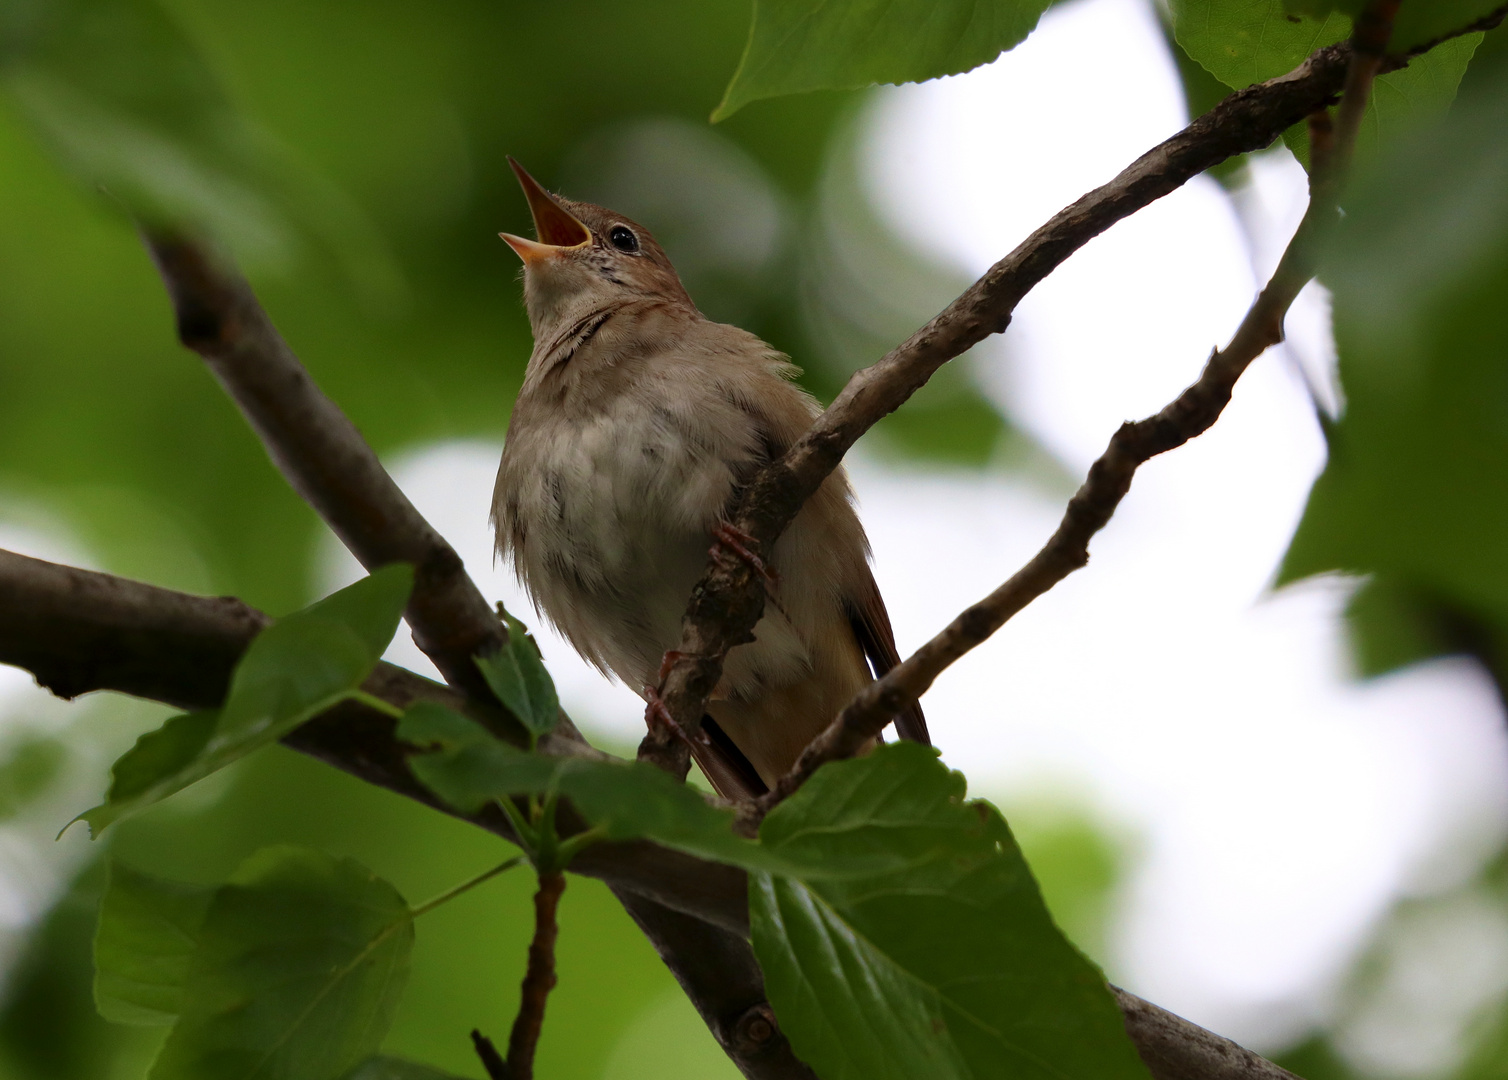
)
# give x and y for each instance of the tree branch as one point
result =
(539, 978)
(1174, 1049)
(729, 599)
(80, 631)
(324, 457)
(1191, 414)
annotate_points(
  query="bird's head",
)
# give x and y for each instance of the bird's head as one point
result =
(586, 258)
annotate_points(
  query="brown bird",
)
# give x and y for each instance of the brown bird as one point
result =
(638, 421)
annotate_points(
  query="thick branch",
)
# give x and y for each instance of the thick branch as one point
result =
(80, 631)
(324, 457)
(729, 599)
(326, 460)
(732, 998)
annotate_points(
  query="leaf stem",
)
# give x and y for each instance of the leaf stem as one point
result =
(465, 886)
(372, 701)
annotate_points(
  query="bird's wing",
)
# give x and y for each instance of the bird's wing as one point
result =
(871, 626)
(725, 766)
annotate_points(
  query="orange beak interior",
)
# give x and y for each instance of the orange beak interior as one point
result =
(553, 224)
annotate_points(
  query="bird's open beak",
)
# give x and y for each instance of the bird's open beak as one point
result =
(556, 227)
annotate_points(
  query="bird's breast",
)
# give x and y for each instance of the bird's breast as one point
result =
(608, 514)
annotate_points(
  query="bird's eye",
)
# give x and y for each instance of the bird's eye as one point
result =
(623, 239)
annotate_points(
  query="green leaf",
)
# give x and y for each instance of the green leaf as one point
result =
(518, 677)
(294, 670)
(1402, 98)
(126, 100)
(1417, 23)
(1415, 491)
(940, 960)
(468, 767)
(1242, 42)
(394, 1068)
(299, 966)
(800, 45)
(34, 763)
(148, 928)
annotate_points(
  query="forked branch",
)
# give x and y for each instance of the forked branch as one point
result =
(1189, 415)
(729, 599)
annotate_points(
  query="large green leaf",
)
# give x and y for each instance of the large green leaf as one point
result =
(295, 669)
(299, 965)
(518, 677)
(1416, 487)
(800, 45)
(943, 964)
(1417, 23)
(384, 1067)
(468, 767)
(148, 927)
(127, 101)
(1242, 42)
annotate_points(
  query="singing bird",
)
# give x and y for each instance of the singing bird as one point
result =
(638, 421)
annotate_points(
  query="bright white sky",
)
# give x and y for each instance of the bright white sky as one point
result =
(1276, 807)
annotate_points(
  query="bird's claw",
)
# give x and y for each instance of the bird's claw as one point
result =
(727, 537)
(655, 713)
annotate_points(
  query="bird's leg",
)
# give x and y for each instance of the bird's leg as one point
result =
(655, 711)
(727, 537)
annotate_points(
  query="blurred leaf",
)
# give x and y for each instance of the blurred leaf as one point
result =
(1402, 98)
(148, 927)
(296, 668)
(518, 677)
(1415, 24)
(299, 966)
(1240, 43)
(1416, 487)
(801, 45)
(33, 764)
(128, 103)
(49, 1029)
(468, 767)
(393, 1068)
(944, 963)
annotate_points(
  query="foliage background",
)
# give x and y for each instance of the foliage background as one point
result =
(377, 134)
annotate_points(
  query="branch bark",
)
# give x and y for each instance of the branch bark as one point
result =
(80, 631)
(103, 633)
(729, 599)
(326, 460)
(1191, 414)
(323, 456)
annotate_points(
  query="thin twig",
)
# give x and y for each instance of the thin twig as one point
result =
(729, 599)
(1189, 415)
(492, 1061)
(539, 978)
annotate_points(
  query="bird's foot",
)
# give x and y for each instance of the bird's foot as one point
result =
(726, 537)
(655, 713)
(667, 662)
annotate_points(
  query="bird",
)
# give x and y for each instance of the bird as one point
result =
(638, 424)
